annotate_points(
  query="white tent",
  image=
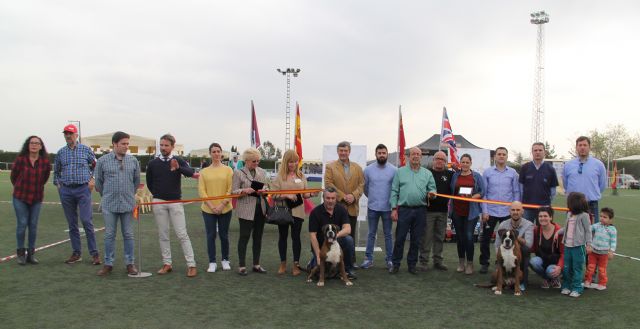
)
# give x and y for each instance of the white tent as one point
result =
(137, 144)
(630, 158)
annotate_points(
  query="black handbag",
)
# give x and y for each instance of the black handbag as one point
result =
(292, 204)
(279, 215)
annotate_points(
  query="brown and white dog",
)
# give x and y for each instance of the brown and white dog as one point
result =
(331, 257)
(508, 265)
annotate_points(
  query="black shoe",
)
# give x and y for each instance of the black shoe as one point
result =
(484, 269)
(440, 267)
(351, 275)
(22, 260)
(413, 270)
(31, 259)
(394, 269)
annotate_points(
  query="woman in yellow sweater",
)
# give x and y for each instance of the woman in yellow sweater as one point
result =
(216, 180)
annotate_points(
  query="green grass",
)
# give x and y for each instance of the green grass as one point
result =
(56, 295)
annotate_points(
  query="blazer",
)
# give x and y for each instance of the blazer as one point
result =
(246, 205)
(334, 176)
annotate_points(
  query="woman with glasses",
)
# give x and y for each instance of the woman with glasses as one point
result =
(251, 208)
(29, 173)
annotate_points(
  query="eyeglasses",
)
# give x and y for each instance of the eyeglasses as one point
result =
(35, 143)
(443, 159)
(580, 168)
(254, 161)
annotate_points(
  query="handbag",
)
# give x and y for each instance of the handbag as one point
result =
(292, 204)
(278, 215)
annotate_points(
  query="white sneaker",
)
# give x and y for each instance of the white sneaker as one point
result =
(212, 267)
(587, 285)
(226, 265)
(574, 294)
(600, 287)
(565, 291)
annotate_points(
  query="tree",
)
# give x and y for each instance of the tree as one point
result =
(549, 151)
(268, 151)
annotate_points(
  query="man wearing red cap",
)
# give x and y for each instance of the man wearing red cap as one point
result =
(73, 175)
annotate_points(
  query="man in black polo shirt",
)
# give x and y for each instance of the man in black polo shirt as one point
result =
(329, 212)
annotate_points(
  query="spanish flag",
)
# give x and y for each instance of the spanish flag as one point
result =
(614, 176)
(298, 136)
(401, 141)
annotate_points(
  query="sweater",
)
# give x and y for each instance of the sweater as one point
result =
(163, 183)
(581, 231)
(605, 238)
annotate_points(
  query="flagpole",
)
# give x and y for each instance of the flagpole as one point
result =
(444, 109)
(398, 141)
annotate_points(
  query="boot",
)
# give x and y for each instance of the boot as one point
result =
(31, 258)
(283, 268)
(295, 271)
(21, 258)
(460, 267)
(469, 268)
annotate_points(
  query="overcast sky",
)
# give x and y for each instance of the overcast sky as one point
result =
(192, 68)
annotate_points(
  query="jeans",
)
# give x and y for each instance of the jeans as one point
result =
(595, 212)
(537, 266)
(111, 228)
(283, 235)
(485, 237)
(573, 271)
(74, 200)
(464, 235)
(348, 247)
(387, 227)
(26, 217)
(222, 222)
(433, 237)
(353, 221)
(172, 215)
(412, 221)
(531, 215)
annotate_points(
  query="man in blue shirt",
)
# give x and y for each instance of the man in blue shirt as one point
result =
(73, 175)
(538, 182)
(378, 177)
(502, 184)
(117, 179)
(587, 175)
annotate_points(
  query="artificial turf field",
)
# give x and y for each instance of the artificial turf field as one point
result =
(56, 295)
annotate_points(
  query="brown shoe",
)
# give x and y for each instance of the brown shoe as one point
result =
(192, 271)
(132, 270)
(96, 260)
(166, 268)
(105, 270)
(295, 270)
(74, 258)
(283, 268)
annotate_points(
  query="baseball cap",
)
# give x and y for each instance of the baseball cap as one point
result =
(70, 128)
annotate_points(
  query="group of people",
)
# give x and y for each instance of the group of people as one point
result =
(413, 196)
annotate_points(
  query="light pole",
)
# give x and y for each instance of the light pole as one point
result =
(288, 73)
(537, 121)
(79, 129)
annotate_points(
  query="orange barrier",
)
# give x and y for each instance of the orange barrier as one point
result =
(222, 197)
(502, 203)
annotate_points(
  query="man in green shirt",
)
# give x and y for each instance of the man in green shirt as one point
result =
(412, 186)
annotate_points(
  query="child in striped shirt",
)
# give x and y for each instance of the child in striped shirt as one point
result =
(602, 248)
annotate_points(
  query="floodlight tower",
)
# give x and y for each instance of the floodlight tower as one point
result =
(537, 120)
(288, 73)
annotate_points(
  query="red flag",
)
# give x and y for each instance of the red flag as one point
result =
(298, 137)
(401, 142)
(614, 175)
(255, 136)
(447, 137)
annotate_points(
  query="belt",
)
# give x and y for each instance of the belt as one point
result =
(412, 207)
(74, 185)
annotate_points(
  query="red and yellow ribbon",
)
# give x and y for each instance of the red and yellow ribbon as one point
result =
(222, 197)
(501, 203)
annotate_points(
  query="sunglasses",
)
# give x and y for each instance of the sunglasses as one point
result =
(580, 168)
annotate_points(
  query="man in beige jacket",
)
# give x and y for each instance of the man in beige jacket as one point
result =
(348, 180)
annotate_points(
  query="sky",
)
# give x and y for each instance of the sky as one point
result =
(191, 68)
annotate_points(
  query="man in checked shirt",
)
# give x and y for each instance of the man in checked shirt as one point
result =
(73, 175)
